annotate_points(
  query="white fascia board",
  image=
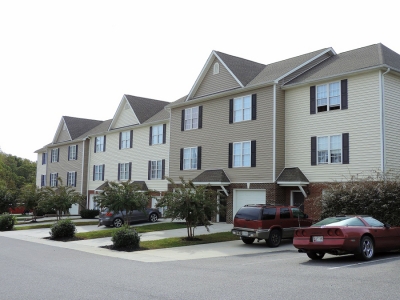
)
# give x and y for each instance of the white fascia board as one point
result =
(292, 183)
(117, 112)
(59, 129)
(229, 70)
(212, 183)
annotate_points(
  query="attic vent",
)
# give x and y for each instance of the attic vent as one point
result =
(216, 68)
(126, 106)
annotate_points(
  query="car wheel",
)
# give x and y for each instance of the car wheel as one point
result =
(316, 255)
(247, 240)
(366, 251)
(274, 239)
(118, 222)
(153, 217)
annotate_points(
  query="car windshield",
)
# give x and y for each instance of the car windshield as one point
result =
(248, 213)
(340, 221)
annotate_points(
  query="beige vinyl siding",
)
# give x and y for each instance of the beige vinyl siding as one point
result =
(361, 120)
(217, 133)
(63, 136)
(139, 155)
(213, 83)
(392, 123)
(40, 169)
(126, 117)
(280, 132)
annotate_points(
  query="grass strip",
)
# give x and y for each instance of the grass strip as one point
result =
(140, 229)
(180, 241)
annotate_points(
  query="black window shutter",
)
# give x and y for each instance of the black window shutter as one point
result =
(181, 160)
(43, 158)
(119, 170)
(151, 135)
(68, 183)
(76, 174)
(253, 154)
(312, 99)
(131, 139)
(230, 111)
(199, 158)
(163, 169)
(69, 150)
(130, 171)
(104, 170)
(346, 148)
(230, 155)
(120, 140)
(95, 142)
(183, 120)
(94, 170)
(343, 97)
(254, 107)
(149, 170)
(313, 150)
(76, 152)
(56, 179)
(164, 134)
(200, 125)
(104, 145)
(58, 154)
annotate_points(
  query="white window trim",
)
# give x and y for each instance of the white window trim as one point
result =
(157, 170)
(100, 144)
(241, 155)
(53, 179)
(329, 150)
(98, 172)
(71, 179)
(124, 170)
(127, 139)
(72, 154)
(328, 106)
(159, 136)
(190, 158)
(191, 118)
(216, 68)
(242, 109)
(54, 155)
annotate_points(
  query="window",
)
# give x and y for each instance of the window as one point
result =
(43, 180)
(157, 133)
(100, 144)
(191, 118)
(330, 149)
(71, 178)
(124, 171)
(53, 179)
(98, 172)
(125, 139)
(269, 213)
(284, 213)
(156, 169)
(216, 68)
(297, 213)
(190, 158)
(44, 158)
(242, 109)
(72, 152)
(54, 155)
(328, 96)
(241, 154)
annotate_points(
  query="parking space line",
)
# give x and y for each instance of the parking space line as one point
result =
(362, 263)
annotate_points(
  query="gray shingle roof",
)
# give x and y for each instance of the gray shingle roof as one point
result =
(292, 175)
(102, 127)
(142, 185)
(161, 115)
(145, 108)
(212, 176)
(78, 126)
(354, 60)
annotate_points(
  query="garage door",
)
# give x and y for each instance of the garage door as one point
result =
(243, 197)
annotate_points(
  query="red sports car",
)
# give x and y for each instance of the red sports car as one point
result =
(359, 235)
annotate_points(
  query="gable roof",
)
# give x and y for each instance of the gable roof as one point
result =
(75, 127)
(292, 176)
(214, 176)
(145, 108)
(373, 56)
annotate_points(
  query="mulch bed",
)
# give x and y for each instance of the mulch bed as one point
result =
(65, 239)
(125, 249)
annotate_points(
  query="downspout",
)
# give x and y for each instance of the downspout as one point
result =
(383, 139)
(83, 163)
(88, 175)
(274, 134)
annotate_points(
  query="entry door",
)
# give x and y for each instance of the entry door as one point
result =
(298, 199)
(222, 204)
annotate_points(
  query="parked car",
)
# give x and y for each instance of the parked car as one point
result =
(109, 218)
(359, 235)
(268, 222)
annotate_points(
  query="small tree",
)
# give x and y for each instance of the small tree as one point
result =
(123, 197)
(60, 199)
(7, 198)
(30, 197)
(194, 204)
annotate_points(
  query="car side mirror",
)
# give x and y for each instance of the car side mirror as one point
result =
(386, 225)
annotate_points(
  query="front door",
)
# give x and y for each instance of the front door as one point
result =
(298, 199)
(221, 217)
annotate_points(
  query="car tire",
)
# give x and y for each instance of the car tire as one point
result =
(247, 240)
(316, 255)
(153, 218)
(367, 250)
(118, 222)
(274, 239)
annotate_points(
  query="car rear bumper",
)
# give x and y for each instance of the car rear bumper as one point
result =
(328, 245)
(246, 232)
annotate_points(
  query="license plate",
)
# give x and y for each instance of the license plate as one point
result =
(317, 238)
(245, 233)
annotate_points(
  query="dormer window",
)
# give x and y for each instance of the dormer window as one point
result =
(216, 68)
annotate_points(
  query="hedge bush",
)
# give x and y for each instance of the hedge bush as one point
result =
(89, 213)
(63, 229)
(42, 212)
(7, 222)
(125, 237)
(377, 196)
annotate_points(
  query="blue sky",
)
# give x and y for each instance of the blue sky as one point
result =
(78, 58)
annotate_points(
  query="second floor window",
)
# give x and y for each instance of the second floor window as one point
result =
(156, 169)
(125, 139)
(124, 171)
(329, 149)
(242, 154)
(190, 158)
(98, 172)
(71, 179)
(54, 155)
(100, 144)
(191, 118)
(157, 134)
(53, 179)
(44, 158)
(242, 109)
(328, 96)
(72, 152)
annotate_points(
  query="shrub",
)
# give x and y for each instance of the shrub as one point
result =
(42, 212)
(7, 222)
(63, 229)
(89, 213)
(125, 237)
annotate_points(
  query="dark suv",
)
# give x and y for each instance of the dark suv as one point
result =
(268, 222)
